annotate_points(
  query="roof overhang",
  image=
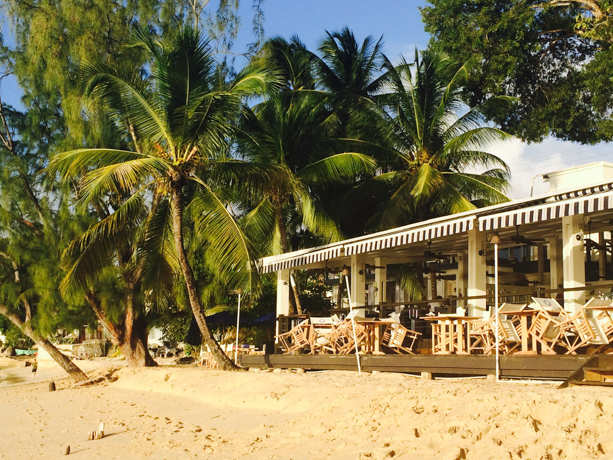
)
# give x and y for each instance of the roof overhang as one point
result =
(516, 212)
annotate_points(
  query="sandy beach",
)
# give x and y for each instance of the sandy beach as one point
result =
(182, 413)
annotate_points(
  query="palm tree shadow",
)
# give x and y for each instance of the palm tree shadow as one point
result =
(116, 433)
(105, 436)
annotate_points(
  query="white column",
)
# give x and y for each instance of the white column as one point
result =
(380, 281)
(540, 251)
(602, 257)
(477, 281)
(460, 279)
(358, 283)
(556, 263)
(282, 294)
(574, 262)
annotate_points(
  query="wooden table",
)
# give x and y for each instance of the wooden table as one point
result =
(373, 330)
(524, 333)
(448, 324)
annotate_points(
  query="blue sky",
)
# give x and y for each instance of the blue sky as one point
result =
(399, 22)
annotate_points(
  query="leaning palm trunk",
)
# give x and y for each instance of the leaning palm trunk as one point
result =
(221, 358)
(73, 370)
(295, 299)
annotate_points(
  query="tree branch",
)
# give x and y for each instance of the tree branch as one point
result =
(94, 303)
(7, 140)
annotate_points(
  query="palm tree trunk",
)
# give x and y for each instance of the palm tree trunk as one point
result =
(433, 281)
(286, 248)
(221, 358)
(131, 338)
(134, 348)
(71, 368)
(339, 297)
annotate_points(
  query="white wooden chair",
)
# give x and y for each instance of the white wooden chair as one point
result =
(322, 329)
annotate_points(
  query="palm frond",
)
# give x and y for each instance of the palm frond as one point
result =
(158, 262)
(97, 248)
(128, 98)
(119, 179)
(336, 168)
(427, 180)
(261, 226)
(316, 219)
(228, 246)
(80, 161)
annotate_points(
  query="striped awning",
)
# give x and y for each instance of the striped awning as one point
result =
(411, 234)
(549, 210)
(518, 212)
(584, 192)
(299, 258)
(388, 239)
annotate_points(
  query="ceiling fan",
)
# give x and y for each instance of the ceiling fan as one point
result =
(520, 239)
(430, 269)
(433, 257)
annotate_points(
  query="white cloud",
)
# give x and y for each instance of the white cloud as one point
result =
(527, 161)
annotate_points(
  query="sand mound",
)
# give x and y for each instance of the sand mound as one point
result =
(194, 413)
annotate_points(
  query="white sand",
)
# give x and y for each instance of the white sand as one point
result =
(181, 413)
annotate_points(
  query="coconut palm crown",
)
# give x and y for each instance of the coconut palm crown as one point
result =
(432, 147)
(177, 118)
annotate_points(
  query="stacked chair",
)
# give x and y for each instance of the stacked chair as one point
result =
(552, 327)
(399, 339)
(299, 337)
(583, 329)
(482, 337)
(342, 340)
(333, 336)
(546, 325)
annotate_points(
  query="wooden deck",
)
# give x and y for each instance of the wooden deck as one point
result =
(537, 367)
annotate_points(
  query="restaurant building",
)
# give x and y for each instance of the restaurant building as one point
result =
(556, 245)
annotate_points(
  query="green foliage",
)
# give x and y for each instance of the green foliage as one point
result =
(175, 329)
(313, 293)
(14, 337)
(298, 133)
(178, 123)
(555, 57)
(432, 149)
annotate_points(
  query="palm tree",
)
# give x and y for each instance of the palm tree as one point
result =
(292, 60)
(296, 131)
(350, 72)
(178, 119)
(432, 147)
(125, 266)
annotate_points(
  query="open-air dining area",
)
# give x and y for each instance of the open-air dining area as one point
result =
(525, 279)
(542, 327)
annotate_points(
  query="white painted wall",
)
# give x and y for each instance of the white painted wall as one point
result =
(579, 176)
